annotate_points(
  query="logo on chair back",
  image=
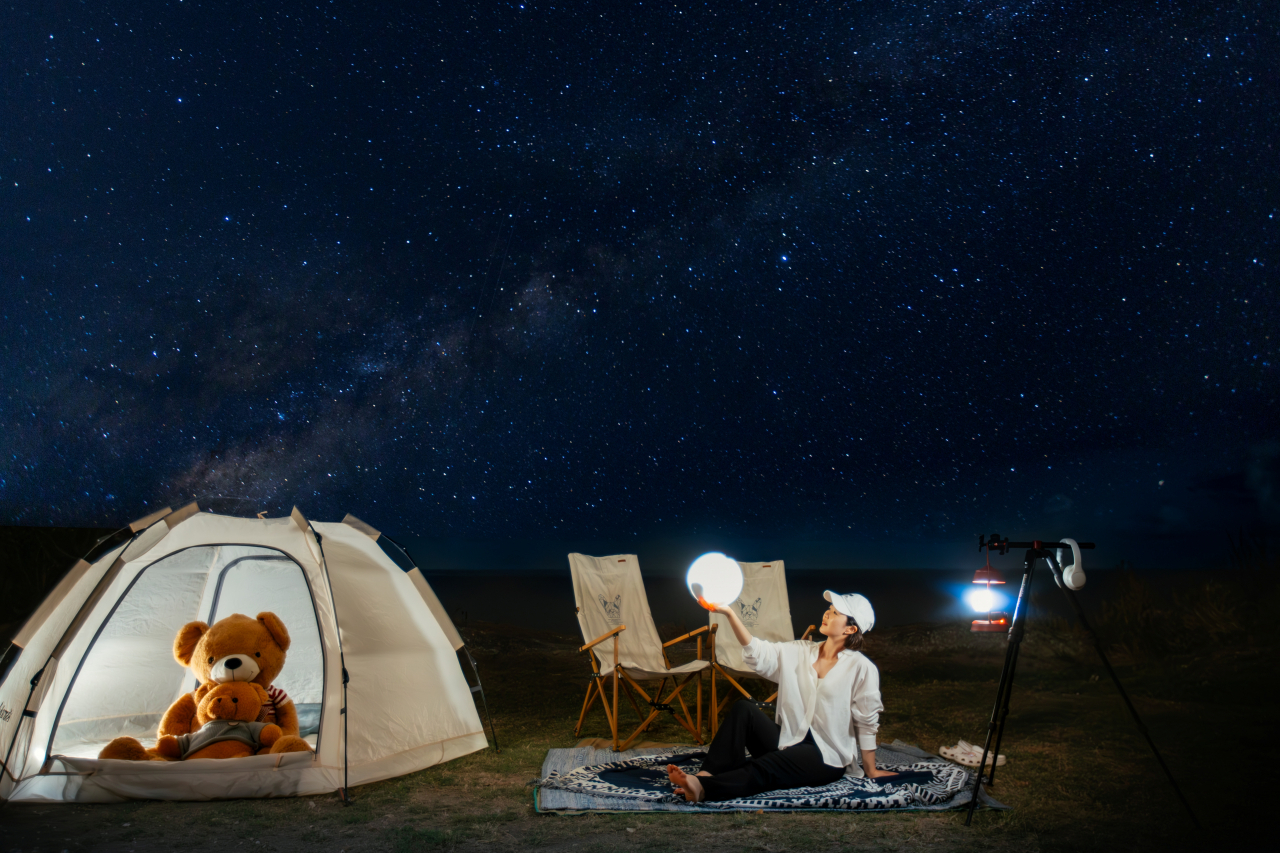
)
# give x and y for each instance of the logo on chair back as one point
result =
(750, 612)
(612, 609)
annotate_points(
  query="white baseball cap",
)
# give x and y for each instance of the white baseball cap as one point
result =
(855, 607)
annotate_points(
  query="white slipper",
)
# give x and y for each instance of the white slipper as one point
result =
(976, 752)
(965, 753)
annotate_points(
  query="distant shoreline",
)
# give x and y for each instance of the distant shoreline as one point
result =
(540, 599)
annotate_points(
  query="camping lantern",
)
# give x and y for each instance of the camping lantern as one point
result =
(715, 579)
(983, 600)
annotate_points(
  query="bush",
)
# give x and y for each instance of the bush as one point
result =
(1144, 621)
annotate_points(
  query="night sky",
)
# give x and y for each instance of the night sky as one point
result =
(866, 278)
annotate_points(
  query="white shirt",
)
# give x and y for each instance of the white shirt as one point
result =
(842, 709)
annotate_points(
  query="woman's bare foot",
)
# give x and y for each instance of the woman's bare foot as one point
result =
(686, 784)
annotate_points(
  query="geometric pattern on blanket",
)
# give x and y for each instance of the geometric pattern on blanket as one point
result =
(923, 783)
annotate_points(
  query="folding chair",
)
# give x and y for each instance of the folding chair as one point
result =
(765, 610)
(624, 647)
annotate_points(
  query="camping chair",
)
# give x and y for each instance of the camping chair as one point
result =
(765, 610)
(621, 640)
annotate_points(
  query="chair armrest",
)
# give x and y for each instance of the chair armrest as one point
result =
(684, 637)
(603, 637)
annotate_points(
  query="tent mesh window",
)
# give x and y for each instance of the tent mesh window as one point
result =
(128, 677)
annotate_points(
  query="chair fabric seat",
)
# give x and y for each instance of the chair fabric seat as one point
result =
(651, 674)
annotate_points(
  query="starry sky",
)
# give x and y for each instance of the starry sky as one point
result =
(853, 281)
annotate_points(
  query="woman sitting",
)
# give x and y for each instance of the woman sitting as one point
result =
(828, 710)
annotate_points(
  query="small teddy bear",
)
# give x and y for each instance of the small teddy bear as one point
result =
(227, 714)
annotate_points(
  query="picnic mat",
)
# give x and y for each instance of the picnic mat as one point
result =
(587, 778)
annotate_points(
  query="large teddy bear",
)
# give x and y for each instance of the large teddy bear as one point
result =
(236, 648)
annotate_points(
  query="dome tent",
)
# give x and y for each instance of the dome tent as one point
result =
(368, 639)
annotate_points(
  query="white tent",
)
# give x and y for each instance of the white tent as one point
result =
(368, 639)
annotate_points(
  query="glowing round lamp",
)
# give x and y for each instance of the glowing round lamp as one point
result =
(714, 579)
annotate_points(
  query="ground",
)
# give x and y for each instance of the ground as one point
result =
(1079, 776)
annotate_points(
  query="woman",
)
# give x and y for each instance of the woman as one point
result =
(828, 710)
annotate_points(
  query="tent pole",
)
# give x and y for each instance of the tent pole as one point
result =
(346, 799)
(480, 686)
(343, 792)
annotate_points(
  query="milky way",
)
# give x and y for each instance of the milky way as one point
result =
(832, 270)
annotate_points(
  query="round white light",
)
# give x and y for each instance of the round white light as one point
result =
(982, 600)
(718, 578)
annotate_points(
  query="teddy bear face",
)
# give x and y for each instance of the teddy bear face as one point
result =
(235, 700)
(235, 649)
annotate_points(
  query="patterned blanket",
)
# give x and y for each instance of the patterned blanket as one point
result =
(640, 782)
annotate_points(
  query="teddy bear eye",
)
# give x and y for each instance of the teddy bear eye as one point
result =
(257, 654)
(210, 660)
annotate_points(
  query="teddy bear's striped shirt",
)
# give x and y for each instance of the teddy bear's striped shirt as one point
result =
(275, 696)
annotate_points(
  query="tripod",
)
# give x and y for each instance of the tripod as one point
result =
(1036, 551)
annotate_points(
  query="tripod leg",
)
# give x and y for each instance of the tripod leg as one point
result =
(995, 728)
(1004, 714)
(996, 720)
(1133, 712)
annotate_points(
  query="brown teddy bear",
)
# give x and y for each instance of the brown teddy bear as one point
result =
(229, 728)
(234, 649)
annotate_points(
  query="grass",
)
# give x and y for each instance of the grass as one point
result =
(1079, 774)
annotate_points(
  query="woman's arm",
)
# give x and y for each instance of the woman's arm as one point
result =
(739, 630)
(761, 656)
(865, 717)
(869, 765)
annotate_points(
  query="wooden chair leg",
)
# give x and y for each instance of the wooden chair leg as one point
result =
(699, 707)
(687, 722)
(590, 699)
(715, 717)
(678, 695)
(636, 734)
(614, 721)
(613, 718)
(699, 692)
(626, 688)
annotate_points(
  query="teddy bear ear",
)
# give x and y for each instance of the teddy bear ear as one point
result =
(185, 644)
(263, 696)
(202, 690)
(276, 628)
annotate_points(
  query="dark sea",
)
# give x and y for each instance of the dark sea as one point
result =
(544, 600)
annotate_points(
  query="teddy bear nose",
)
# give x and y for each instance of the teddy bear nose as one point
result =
(233, 663)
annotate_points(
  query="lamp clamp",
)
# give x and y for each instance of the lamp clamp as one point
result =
(995, 543)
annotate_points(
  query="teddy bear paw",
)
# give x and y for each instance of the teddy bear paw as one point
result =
(290, 743)
(129, 749)
(168, 748)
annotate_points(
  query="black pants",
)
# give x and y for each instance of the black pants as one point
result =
(768, 768)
